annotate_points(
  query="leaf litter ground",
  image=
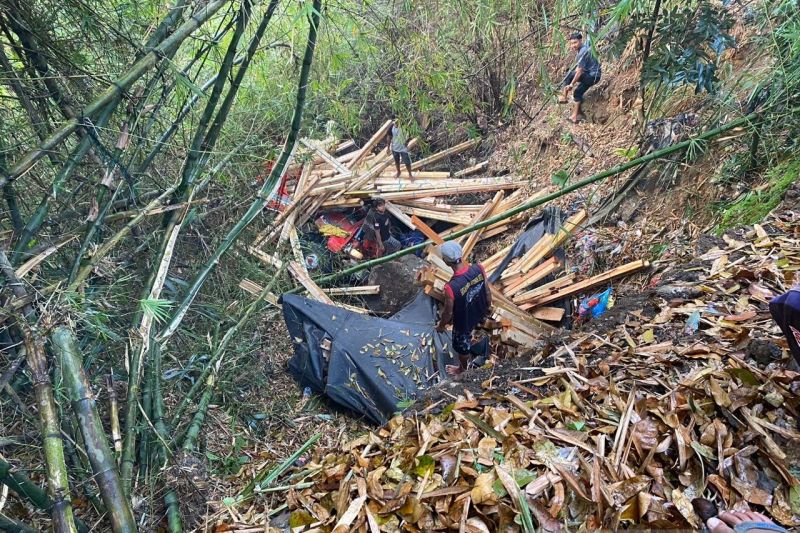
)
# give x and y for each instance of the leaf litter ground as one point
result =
(680, 391)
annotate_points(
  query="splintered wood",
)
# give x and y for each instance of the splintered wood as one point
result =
(342, 176)
(519, 318)
(336, 176)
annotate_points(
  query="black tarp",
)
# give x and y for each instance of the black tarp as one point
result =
(549, 221)
(374, 364)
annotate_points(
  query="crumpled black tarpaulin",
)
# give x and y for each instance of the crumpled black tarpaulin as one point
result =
(374, 364)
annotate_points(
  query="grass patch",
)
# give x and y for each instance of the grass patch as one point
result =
(757, 204)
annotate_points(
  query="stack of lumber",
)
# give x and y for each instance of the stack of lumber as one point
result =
(519, 312)
(342, 175)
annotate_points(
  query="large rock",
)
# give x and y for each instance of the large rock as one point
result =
(396, 279)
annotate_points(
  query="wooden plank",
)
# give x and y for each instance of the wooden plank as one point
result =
(367, 148)
(384, 160)
(623, 270)
(474, 169)
(430, 204)
(542, 290)
(445, 153)
(255, 289)
(385, 176)
(426, 230)
(399, 215)
(453, 191)
(328, 158)
(393, 185)
(265, 258)
(353, 291)
(551, 314)
(313, 289)
(533, 276)
(434, 215)
(297, 252)
(344, 145)
(488, 210)
(547, 245)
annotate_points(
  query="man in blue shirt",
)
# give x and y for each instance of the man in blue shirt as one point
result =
(585, 74)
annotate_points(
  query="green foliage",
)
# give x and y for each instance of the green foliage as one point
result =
(758, 203)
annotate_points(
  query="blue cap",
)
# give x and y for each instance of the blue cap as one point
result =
(451, 252)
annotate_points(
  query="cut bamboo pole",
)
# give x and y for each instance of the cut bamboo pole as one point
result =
(94, 438)
(313, 289)
(550, 314)
(327, 158)
(475, 169)
(367, 148)
(451, 191)
(623, 270)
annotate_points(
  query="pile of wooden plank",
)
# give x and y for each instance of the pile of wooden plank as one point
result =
(519, 316)
(336, 176)
(341, 175)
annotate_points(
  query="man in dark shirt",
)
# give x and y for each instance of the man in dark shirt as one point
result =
(468, 299)
(584, 75)
(785, 310)
(377, 229)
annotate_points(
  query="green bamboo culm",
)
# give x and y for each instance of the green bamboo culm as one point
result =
(56, 187)
(57, 475)
(99, 452)
(162, 437)
(30, 491)
(223, 345)
(136, 71)
(184, 191)
(277, 171)
(10, 525)
(742, 121)
(190, 440)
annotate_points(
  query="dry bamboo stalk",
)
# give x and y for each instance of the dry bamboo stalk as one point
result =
(113, 409)
(452, 191)
(375, 139)
(475, 169)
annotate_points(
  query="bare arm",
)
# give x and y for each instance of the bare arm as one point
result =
(389, 141)
(447, 313)
(577, 78)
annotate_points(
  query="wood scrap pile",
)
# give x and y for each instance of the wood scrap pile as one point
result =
(337, 176)
(520, 312)
(620, 428)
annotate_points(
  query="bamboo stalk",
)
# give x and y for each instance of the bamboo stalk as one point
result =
(170, 498)
(100, 456)
(120, 85)
(223, 345)
(535, 202)
(277, 170)
(113, 410)
(14, 526)
(57, 476)
(56, 187)
(190, 439)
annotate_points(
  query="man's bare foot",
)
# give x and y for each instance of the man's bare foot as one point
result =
(562, 99)
(397, 176)
(453, 370)
(574, 119)
(726, 522)
(411, 176)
